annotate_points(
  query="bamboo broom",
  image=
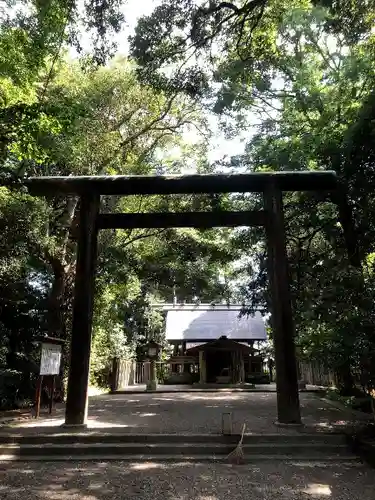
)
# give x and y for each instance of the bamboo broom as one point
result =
(237, 455)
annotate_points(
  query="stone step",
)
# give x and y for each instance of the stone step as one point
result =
(118, 437)
(303, 460)
(91, 445)
(180, 449)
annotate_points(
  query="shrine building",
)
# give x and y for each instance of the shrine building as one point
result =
(214, 344)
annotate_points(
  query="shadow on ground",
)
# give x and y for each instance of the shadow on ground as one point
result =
(199, 413)
(141, 481)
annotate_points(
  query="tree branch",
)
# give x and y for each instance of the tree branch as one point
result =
(147, 127)
(144, 235)
(245, 10)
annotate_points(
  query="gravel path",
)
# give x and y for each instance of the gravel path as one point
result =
(198, 413)
(147, 481)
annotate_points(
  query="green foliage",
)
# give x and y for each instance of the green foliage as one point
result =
(108, 343)
(57, 118)
(318, 118)
(32, 33)
(357, 402)
(302, 70)
(22, 302)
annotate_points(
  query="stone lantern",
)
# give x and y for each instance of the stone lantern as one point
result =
(152, 350)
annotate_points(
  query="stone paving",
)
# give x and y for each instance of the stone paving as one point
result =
(197, 412)
(148, 481)
(189, 413)
(135, 389)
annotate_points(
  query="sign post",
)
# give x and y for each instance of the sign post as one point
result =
(50, 361)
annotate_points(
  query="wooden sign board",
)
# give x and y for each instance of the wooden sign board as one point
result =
(50, 359)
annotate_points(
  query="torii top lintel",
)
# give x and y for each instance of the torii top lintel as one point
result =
(183, 184)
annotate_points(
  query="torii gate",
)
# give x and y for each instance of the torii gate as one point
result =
(89, 189)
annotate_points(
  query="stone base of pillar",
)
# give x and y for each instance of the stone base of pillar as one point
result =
(290, 426)
(74, 427)
(151, 385)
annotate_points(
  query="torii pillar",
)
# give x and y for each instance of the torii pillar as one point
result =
(77, 397)
(288, 407)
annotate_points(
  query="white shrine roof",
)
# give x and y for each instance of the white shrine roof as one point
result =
(205, 322)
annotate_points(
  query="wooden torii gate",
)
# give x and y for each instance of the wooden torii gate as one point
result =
(89, 189)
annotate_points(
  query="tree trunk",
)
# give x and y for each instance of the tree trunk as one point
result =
(56, 307)
(60, 267)
(55, 304)
(345, 380)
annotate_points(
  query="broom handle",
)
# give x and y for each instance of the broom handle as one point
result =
(243, 432)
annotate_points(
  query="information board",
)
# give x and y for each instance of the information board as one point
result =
(50, 359)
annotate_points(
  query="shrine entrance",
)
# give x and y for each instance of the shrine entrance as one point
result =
(218, 366)
(222, 361)
(89, 190)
